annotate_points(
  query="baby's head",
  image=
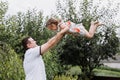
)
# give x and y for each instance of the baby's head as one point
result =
(52, 24)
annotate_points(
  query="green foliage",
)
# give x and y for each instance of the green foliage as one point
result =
(88, 53)
(13, 29)
(3, 9)
(16, 27)
(21, 25)
(10, 64)
(52, 64)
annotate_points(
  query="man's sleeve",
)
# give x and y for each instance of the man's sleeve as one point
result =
(40, 50)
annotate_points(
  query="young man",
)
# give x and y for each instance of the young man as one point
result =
(33, 63)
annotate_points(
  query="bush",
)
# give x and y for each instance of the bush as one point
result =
(51, 64)
(10, 64)
(74, 70)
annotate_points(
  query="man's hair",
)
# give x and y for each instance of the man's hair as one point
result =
(25, 42)
(52, 21)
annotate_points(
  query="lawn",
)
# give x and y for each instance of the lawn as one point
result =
(106, 73)
(101, 71)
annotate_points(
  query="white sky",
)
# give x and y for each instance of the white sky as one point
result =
(47, 6)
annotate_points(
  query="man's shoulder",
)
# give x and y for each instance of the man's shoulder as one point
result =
(33, 49)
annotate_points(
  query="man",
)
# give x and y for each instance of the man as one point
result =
(33, 63)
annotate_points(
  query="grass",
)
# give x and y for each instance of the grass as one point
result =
(119, 53)
(101, 71)
(107, 71)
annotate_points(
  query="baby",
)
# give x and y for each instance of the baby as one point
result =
(78, 29)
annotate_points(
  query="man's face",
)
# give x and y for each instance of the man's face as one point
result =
(31, 43)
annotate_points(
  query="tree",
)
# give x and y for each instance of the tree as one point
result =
(3, 9)
(10, 63)
(87, 53)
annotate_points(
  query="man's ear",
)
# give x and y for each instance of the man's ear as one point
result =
(28, 45)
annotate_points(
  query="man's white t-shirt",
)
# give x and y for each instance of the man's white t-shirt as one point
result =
(33, 65)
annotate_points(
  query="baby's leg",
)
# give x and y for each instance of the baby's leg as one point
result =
(92, 29)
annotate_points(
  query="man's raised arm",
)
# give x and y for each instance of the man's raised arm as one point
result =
(53, 41)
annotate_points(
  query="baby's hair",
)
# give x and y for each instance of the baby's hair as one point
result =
(52, 21)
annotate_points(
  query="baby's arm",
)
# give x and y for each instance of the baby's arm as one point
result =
(93, 27)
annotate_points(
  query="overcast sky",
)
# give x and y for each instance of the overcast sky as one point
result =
(47, 6)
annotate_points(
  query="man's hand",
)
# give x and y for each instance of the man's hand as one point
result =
(64, 29)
